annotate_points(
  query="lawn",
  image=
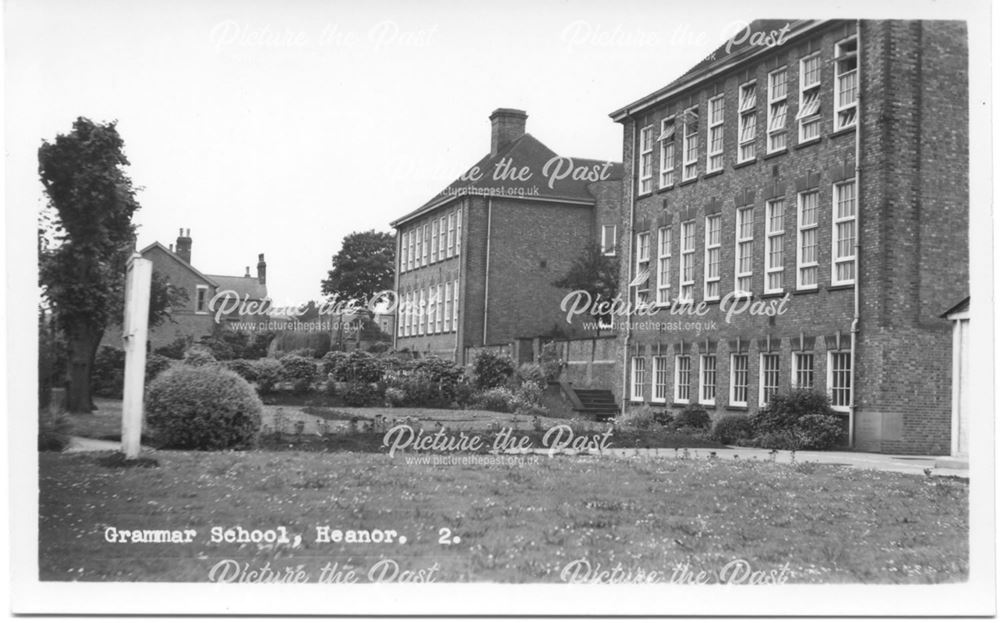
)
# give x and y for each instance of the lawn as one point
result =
(515, 523)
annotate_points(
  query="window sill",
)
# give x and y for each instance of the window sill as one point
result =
(737, 408)
(809, 143)
(842, 131)
(840, 286)
(680, 404)
(745, 163)
(641, 195)
(809, 290)
(713, 173)
(663, 189)
(775, 154)
(686, 182)
(706, 404)
(773, 295)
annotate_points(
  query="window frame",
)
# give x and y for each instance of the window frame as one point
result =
(801, 265)
(689, 143)
(750, 112)
(835, 259)
(709, 248)
(451, 234)
(703, 385)
(762, 396)
(838, 58)
(797, 370)
(734, 385)
(660, 371)
(718, 129)
(774, 237)
(643, 240)
(201, 300)
(772, 102)
(740, 241)
(686, 261)
(646, 160)
(638, 379)
(831, 377)
(807, 91)
(668, 174)
(664, 254)
(604, 240)
(677, 379)
(458, 231)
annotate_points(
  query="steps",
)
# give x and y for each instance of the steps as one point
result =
(598, 404)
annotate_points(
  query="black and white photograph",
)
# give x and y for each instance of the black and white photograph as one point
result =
(520, 308)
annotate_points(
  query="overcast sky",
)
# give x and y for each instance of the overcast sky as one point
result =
(280, 127)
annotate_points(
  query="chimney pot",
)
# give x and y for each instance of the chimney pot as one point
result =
(184, 246)
(246, 272)
(261, 269)
(506, 125)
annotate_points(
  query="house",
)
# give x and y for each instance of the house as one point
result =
(817, 169)
(475, 264)
(238, 298)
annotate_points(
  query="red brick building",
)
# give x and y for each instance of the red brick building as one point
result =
(475, 264)
(825, 162)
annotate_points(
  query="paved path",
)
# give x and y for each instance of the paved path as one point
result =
(84, 444)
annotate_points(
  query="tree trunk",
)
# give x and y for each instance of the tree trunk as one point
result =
(82, 350)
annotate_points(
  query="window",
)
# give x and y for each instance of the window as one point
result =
(420, 248)
(808, 271)
(458, 232)
(774, 253)
(201, 302)
(427, 244)
(646, 160)
(682, 379)
(844, 212)
(447, 307)
(641, 280)
(440, 308)
(667, 164)
(638, 377)
(738, 379)
(802, 371)
(609, 239)
(443, 237)
(413, 249)
(713, 253)
(663, 268)
(845, 96)
(454, 305)
(435, 236)
(777, 109)
(659, 379)
(690, 146)
(451, 235)
(403, 315)
(769, 375)
(809, 115)
(748, 122)
(839, 380)
(687, 262)
(434, 302)
(744, 250)
(716, 117)
(404, 252)
(421, 314)
(707, 379)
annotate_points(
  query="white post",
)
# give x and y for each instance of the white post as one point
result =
(135, 327)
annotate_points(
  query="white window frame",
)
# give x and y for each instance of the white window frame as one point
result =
(421, 313)
(808, 91)
(440, 308)
(201, 302)
(420, 246)
(797, 369)
(458, 231)
(643, 240)
(454, 306)
(664, 235)
(841, 110)
(746, 149)
(743, 242)
(404, 252)
(686, 292)
(660, 371)
(646, 160)
(776, 131)
(844, 375)
(447, 307)
(836, 259)
(609, 244)
(435, 237)
(427, 244)
(774, 239)
(800, 265)
(733, 384)
(638, 378)
(451, 235)
(668, 152)
(689, 148)
(703, 371)
(677, 379)
(713, 226)
(762, 384)
(413, 249)
(443, 237)
(716, 130)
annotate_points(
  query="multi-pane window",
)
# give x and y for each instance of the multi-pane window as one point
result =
(458, 232)
(451, 234)
(845, 96)
(435, 236)
(404, 315)
(609, 239)
(443, 237)
(659, 379)
(808, 261)
(744, 250)
(713, 255)
(682, 378)
(420, 248)
(708, 379)
(667, 154)
(447, 307)
(769, 376)
(440, 308)
(844, 214)
(413, 249)
(201, 300)
(421, 314)
(646, 160)
(404, 252)
(738, 379)
(638, 377)
(454, 305)
(809, 114)
(777, 109)
(663, 266)
(716, 118)
(641, 280)
(690, 144)
(803, 372)
(747, 122)
(774, 252)
(427, 244)
(839, 379)
(687, 262)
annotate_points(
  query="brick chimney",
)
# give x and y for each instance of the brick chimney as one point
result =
(507, 126)
(261, 269)
(184, 245)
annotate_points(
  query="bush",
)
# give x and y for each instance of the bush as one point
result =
(491, 370)
(155, 364)
(378, 348)
(198, 357)
(332, 360)
(499, 399)
(638, 418)
(693, 417)
(395, 397)
(820, 431)
(174, 350)
(299, 371)
(267, 373)
(784, 410)
(730, 429)
(53, 430)
(799, 420)
(202, 408)
(247, 369)
(550, 361)
(360, 394)
(527, 399)
(359, 366)
(226, 345)
(431, 382)
(531, 373)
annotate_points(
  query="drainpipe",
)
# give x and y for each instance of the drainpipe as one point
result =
(857, 253)
(486, 293)
(628, 272)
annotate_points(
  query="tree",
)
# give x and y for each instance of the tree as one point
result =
(363, 266)
(593, 272)
(85, 241)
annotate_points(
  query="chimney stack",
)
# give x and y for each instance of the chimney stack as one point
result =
(246, 272)
(261, 269)
(184, 245)
(507, 126)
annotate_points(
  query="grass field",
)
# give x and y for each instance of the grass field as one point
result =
(516, 523)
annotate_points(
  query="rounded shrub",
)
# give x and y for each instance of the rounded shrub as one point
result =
(359, 366)
(360, 394)
(244, 367)
(198, 357)
(531, 373)
(693, 416)
(202, 408)
(492, 370)
(156, 364)
(784, 410)
(638, 418)
(299, 371)
(730, 429)
(267, 373)
(395, 397)
(820, 431)
(331, 361)
(499, 399)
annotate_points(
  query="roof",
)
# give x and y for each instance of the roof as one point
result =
(179, 260)
(246, 287)
(961, 306)
(734, 50)
(526, 151)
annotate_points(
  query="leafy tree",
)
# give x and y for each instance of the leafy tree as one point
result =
(593, 272)
(362, 267)
(85, 240)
